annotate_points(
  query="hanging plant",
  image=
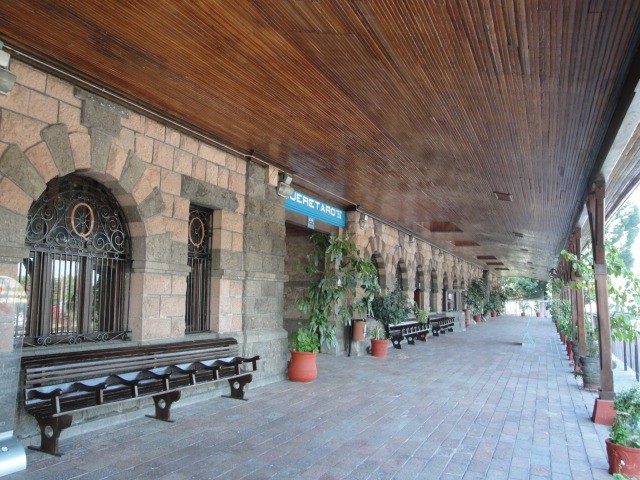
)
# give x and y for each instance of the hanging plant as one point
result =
(623, 288)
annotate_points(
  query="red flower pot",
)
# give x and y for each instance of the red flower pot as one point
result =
(302, 367)
(494, 314)
(477, 318)
(379, 348)
(624, 460)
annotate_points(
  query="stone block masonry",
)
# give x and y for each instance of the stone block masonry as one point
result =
(49, 128)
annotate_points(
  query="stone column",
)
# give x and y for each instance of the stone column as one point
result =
(264, 252)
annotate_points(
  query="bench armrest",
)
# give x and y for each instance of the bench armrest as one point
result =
(53, 396)
(253, 361)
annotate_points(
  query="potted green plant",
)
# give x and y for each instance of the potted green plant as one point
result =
(476, 297)
(343, 288)
(493, 303)
(305, 345)
(389, 309)
(379, 340)
(623, 447)
(421, 317)
(590, 363)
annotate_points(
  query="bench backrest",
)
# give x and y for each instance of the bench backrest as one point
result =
(59, 368)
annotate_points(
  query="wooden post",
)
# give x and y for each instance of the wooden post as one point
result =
(603, 409)
(582, 338)
(577, 299)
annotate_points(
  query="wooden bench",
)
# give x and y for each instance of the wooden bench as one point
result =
(410, 330)
(441, 325)
(59, 384)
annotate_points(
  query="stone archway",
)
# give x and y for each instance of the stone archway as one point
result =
(418, 293)
(433, 301)
(402, 276)
(378, 261)
(100, 157)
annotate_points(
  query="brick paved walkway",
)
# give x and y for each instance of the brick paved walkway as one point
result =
(473, 405)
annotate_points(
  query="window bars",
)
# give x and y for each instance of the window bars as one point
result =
(199, 260)
(76, 275)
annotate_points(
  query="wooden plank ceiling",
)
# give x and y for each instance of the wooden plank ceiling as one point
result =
(415, 110)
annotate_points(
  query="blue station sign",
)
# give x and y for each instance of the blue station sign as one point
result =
(301, 203)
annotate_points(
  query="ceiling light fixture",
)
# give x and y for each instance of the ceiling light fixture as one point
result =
(364, 221)
(7, 79)
(505, 197)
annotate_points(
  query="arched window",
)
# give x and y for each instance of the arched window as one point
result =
(76, 275)
(199, 260)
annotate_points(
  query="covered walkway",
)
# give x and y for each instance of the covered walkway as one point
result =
(473, 405)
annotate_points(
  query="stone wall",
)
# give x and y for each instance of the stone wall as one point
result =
(392, 246)
(49, 128)
(421, 262)
(298, 246)
(264, 249)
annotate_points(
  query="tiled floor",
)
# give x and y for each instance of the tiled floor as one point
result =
(472, 405)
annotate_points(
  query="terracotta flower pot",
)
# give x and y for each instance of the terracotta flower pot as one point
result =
(494, 314)
(537, 314)
(358, 330)
(624, 460)
(302, 367)
(379, 348)
(477, 318)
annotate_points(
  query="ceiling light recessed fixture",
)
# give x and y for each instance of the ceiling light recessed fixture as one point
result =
(486, 257)
(495, 263)
(518, 234)
(465, 243)
(501, 268)
(443, 227)
(505, 197)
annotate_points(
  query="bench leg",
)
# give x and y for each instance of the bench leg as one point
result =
(396, 342)
(410, 339)
(163, 404)
(237, 386)
(50, 429)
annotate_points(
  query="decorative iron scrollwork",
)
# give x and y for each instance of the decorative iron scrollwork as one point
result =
(199, 231)
(77, 216)
(50, 340)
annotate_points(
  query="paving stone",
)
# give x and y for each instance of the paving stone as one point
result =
(497, 412)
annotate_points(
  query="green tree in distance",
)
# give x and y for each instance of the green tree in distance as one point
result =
(622, 230)
(522, 288)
